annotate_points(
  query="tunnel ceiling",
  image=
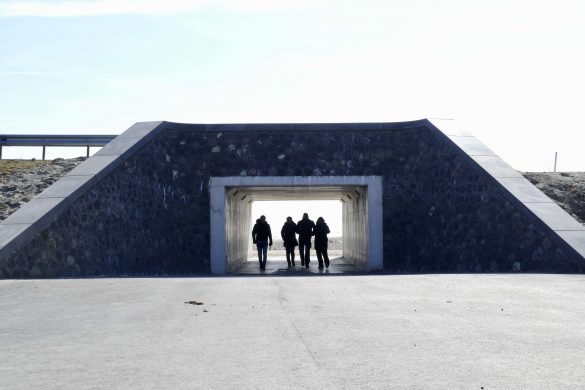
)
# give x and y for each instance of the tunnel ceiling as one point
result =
(296, 193)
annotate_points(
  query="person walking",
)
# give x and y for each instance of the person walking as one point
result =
(305, 229)
(321, 232)
(289, 240)
(262, 237)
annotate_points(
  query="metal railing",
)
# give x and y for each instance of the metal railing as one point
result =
(45, 140)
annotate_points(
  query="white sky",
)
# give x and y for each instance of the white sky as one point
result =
(277, 211)
(510, 72)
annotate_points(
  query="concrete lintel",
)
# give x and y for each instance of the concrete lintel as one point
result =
(260, 193)
(292, 181)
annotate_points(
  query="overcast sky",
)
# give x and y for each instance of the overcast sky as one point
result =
(511, 72)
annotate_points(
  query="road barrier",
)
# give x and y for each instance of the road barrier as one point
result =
(45, 140)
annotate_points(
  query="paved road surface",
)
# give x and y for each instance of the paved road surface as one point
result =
(398, 332)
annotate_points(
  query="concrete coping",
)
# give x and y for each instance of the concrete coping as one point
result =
(575, 238)
(230, 127)
(293, 181)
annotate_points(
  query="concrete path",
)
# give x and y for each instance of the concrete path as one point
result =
(337, 266)
(322, 332)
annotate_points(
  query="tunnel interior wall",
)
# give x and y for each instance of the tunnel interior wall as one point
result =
(238, 214)
(355, 228)
(151, 215)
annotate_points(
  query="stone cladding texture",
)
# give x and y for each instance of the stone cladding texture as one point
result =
(151, 215)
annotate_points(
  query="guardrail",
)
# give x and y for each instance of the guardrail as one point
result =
(45, 140)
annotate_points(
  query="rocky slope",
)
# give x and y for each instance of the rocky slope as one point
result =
(567, 189)
(21, 180)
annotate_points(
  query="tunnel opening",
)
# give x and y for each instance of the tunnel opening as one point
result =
(276, 212)
(232, 198)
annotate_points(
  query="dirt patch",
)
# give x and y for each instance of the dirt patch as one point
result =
(8, 167)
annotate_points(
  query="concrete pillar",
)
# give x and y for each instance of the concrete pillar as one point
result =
(355, 227)
(375, 217)
(217, 233)
(237, 222)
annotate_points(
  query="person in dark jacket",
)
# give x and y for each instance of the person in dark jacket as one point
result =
(289, 240)
(305, 230)
(321, 232)
(262, 237)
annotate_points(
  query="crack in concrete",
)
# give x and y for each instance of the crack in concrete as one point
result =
(281, 300)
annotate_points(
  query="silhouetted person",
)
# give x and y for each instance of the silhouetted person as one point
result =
(262, 237)
(321, 232)
(289, 239)
(305, 229)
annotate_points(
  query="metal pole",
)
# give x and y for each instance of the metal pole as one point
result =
(44, 152)
(555, 169)
(87, 151)
(0, 152)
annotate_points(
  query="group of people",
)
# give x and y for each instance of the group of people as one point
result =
(305, 228)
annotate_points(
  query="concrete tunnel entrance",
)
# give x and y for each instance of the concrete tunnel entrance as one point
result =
(231, 201)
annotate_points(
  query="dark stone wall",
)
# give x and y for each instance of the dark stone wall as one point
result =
(151, 216)
(443, 214)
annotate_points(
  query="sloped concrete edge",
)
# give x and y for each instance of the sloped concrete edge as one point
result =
(565, 229)
(297, 127)
(45, 208)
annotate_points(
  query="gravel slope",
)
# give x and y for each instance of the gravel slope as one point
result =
(21, 180)
(565, 188)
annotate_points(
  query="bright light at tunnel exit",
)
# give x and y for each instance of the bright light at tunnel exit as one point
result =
(277, 211)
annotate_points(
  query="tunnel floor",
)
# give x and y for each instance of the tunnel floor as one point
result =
(337, 266)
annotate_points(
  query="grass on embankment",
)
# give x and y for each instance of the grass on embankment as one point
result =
(10, 166)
